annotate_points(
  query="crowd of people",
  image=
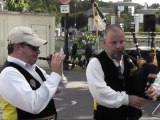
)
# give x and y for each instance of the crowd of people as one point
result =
(27, 91)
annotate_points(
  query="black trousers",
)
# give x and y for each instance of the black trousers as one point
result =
(122, 113)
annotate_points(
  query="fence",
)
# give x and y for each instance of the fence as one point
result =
(142, 41)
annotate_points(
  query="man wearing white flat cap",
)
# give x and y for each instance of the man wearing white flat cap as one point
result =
(26, 90)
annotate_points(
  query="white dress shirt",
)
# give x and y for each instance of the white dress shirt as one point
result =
(103, 94)
(15, 89)
(156, 84)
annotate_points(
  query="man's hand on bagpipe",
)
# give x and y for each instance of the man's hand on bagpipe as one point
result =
(144, 76)
(151, 92)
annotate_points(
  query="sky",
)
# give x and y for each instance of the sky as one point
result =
(149, 2)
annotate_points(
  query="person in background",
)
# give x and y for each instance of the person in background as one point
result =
(74, 51)
(26, 90)
(88, 52)
(110, 83)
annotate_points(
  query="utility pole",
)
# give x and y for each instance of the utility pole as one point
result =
(65, 10)
(75, 15)
(66, 52)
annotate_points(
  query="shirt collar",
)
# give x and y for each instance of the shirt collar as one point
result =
(20, 62)
(121, 64)
(115, 62)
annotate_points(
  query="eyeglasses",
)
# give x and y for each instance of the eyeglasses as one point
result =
(34, 48)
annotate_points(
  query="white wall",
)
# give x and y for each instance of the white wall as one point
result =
(43, 24)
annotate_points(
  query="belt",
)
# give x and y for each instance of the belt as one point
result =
(53, 117)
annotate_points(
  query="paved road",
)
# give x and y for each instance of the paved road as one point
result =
(148, 109)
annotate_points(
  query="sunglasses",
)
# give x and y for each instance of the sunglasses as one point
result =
(34, 48)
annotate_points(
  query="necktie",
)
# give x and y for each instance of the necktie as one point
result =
(120, 76)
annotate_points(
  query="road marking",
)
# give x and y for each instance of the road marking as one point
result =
(149, 118)
(58, 99)
(59, 109)
(73, 102)
(77, 84)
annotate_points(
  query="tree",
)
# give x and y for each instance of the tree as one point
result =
(17, 5)
(37, 6)
(139, 7)
(154, 6)
(80, 6)
(53, 6)
(81, 20)
(158, 19)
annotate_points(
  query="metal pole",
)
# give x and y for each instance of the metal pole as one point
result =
(66, 63)
(148, 39)
(75, 16)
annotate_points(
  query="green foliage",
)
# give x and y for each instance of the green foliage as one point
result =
(20, 5)
(85, 5)
(139, 7)
(77, 7)
(58, 17)
(88, 37)
(154, 6)
(80, 6)
(53, 6)
(105, 4)
(81, 20)
(37, 6)
(157, 28)
(158, 19)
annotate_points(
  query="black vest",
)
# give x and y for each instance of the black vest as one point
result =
(49, 110)
(112, 80)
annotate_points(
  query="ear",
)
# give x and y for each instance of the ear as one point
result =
(17, 47)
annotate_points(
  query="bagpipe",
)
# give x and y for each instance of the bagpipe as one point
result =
(143, 72)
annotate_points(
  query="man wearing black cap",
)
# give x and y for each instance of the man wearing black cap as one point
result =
(26, 90)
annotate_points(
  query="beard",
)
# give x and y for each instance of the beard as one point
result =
(116, 55)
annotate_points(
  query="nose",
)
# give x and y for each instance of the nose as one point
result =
(38, 51)
(118, 45)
